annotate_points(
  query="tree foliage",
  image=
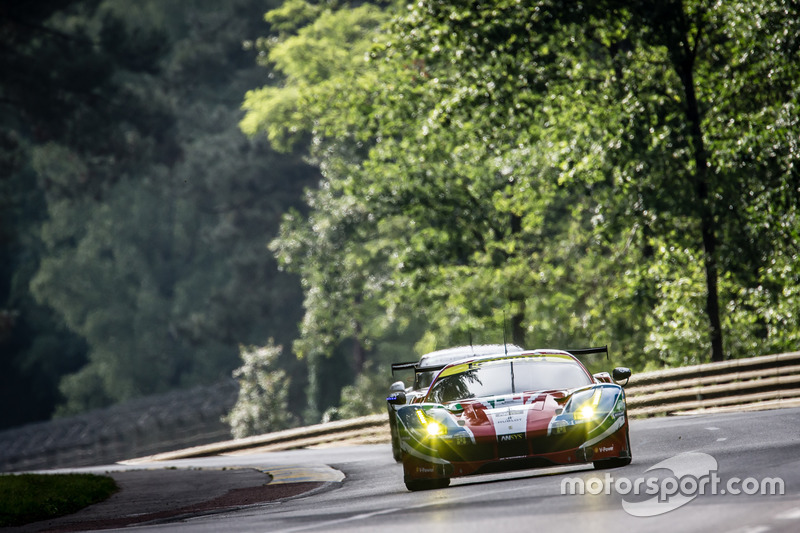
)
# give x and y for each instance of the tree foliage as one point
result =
(263, 393)
(140, 214)
(554, 173)
(591, 172)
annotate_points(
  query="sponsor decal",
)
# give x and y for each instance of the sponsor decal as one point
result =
(603, 449)
(509, 420)
(423, 469)
(512, 436)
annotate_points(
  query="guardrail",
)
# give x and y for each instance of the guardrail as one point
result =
(366, 429)
(756, 383)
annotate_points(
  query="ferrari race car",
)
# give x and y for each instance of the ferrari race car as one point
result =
(512, 411)
(426, 369)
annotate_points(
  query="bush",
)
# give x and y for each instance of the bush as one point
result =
(262, 406)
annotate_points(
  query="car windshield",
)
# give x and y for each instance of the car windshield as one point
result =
(506, 376)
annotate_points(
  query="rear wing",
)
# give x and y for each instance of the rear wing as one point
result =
(587, 351)
(404, 366)
(415, 364)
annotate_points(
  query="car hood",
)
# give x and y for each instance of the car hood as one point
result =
(508, 414)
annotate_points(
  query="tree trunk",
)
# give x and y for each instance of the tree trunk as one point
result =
(358, 351)
(517, 326)
(703, 206)
(517, 299)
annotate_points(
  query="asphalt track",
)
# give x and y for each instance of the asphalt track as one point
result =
(743, 451)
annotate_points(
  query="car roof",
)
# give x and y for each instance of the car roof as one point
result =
(440, 358)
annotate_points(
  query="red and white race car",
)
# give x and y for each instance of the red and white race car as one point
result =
(512, 411)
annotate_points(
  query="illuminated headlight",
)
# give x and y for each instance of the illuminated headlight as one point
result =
(434, 429)
(586, 410)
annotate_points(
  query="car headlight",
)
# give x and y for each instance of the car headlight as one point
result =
(434, 429)
(586, 410)
(431, 427)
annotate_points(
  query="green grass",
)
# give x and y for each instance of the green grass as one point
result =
(26, 498)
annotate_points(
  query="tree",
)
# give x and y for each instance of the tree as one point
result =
(57, 87)
(640, 78)
(453, 210)
(144, 213)
(572, 162)
(714, 52)
(318, 52)
(263, 393)
(170, 266)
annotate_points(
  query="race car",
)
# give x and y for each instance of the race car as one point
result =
(426, 369)
(512, 411)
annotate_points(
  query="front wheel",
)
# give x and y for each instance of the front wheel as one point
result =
(616, 462)
(427, 484)
(612, 463)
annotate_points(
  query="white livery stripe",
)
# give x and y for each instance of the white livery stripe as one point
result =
(509, 419)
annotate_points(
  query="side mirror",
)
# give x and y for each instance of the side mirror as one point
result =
(397, 398)
(621, 373)
(397, 386)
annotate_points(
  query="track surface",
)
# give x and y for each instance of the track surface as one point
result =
(372, 497)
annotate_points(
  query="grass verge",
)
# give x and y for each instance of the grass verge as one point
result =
(26, 498)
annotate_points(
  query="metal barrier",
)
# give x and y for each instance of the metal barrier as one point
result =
(758, 382)
(366, 429)
(764, 382)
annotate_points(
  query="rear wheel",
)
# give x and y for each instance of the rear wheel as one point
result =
(397, 452)
(427, 484)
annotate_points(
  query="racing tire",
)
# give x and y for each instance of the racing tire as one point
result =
(397, 453)
(616, 462)
(612, 463)
(427, 484)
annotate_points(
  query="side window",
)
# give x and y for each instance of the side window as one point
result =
(423, 379)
